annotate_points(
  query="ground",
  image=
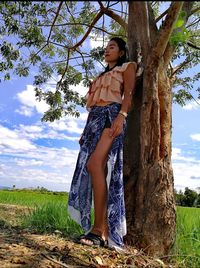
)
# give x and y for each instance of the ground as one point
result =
(21, 248)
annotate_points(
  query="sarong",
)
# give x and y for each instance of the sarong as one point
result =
(80, 195)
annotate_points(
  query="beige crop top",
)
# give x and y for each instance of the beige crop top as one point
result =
(108, 87)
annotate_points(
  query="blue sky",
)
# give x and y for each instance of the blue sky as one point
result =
(34, 154)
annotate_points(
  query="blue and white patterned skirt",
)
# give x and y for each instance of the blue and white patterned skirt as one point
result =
(80, 195)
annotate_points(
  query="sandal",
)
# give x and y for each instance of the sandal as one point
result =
(95, 239)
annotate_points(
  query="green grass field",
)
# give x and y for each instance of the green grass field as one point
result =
(187, 247)
(48, 212)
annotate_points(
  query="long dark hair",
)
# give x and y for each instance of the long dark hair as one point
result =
(122, 47)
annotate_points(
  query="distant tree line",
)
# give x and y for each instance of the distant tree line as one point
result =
(188, 198)
(38, 189)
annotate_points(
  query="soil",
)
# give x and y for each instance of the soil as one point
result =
(22, 248)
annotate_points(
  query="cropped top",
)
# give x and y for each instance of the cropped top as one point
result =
(108, 87)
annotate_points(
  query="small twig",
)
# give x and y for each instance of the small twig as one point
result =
(58, 262)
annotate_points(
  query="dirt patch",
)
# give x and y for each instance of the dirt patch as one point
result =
(21, 248)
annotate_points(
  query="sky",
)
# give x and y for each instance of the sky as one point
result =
(35, 153)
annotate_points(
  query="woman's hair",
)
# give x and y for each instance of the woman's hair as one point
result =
(122, 47)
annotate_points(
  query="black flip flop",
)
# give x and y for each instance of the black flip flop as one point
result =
(95, 239)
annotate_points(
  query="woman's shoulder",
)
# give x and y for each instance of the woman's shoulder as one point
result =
(129, 63)
(125, 65)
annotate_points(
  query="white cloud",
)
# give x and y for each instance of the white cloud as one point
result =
(186, 170)
(32, 128)
(25, 110)
(195, 137)
(28, 162)
(24, 163)
(193, 105)
(12, 140)
(96, 41)
(70, 124)
(81, 89)
(42, 166)
(177, 155)
(29, 102)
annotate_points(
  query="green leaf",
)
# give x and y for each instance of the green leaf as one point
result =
(179, 23)
(7, 76)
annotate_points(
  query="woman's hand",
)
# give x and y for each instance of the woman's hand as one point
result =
(117, 126)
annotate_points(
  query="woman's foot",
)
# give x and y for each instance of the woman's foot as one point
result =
(92, 239)
(97, 233)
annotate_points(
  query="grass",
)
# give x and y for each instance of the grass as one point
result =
(31, 198)
(187, 247)
(52, 217)
(48, 213)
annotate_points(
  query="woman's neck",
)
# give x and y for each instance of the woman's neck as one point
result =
(111, 65)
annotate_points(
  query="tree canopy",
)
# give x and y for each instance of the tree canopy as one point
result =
(50, 37)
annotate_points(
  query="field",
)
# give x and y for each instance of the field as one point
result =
(44, 215)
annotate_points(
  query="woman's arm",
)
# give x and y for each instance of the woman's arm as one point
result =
(129, 77)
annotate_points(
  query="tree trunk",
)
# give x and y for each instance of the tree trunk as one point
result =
(148, 175)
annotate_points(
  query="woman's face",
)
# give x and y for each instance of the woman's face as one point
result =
(112, 52)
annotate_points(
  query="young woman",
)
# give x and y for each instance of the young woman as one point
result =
(98, 174)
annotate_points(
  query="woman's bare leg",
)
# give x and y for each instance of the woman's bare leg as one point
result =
(97, 168)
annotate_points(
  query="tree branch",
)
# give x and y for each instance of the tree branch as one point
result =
(167, 28)
(98, 16)
(162, 15)
(193, 23)
(70, 14)
(190, 44)
(113, 15)
(179, 67)
(194, 10)
(187, 6)
(79, 23)
(57, 13)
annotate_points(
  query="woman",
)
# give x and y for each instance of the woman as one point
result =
(99, 167)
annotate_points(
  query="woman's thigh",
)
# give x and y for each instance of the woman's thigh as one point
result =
(99, 156)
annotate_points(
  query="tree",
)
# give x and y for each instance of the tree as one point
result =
(179, 198)
(51, 30)
(197, 201)
(189, 197)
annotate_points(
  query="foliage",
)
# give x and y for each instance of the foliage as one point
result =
(48, 36)
(189, 198)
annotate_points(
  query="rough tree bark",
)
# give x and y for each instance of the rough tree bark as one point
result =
(148, 174)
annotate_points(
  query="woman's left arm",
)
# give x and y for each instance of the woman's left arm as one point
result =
(129, 76)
